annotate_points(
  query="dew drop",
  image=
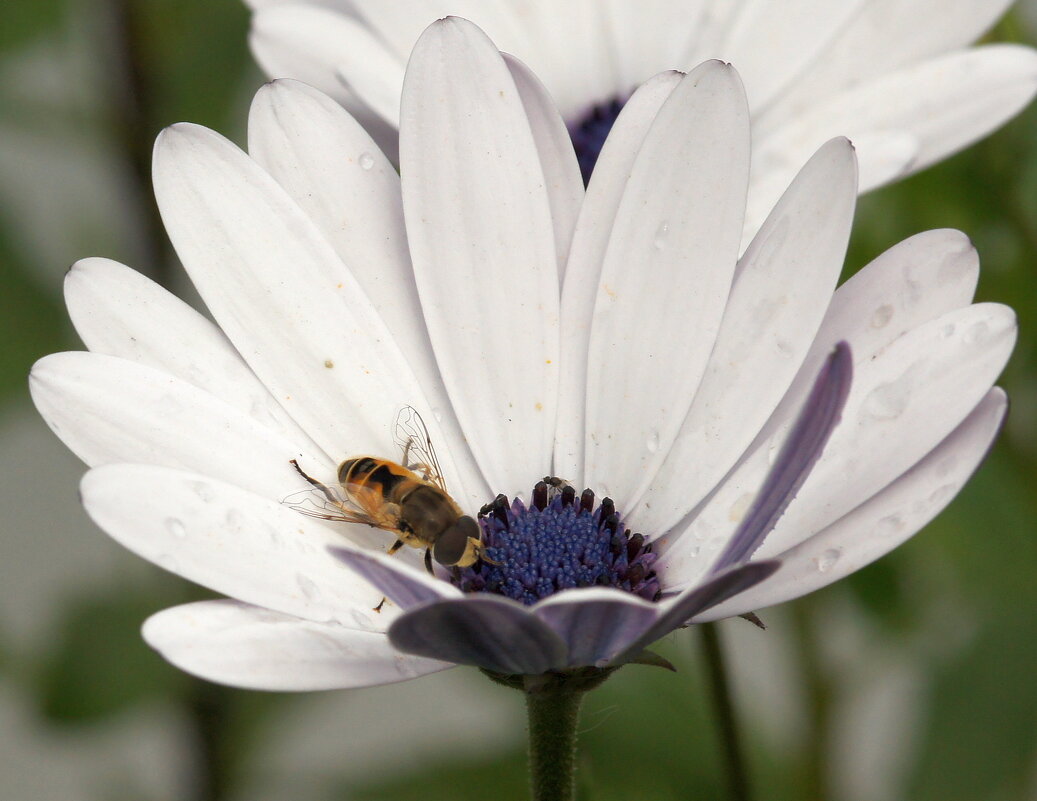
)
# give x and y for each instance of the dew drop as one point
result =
(784, 348)
(947, 331)
(883, 314)
(361, 619)
(660, 235)
(740, 507)
(438, 415)
(694, 552)
(168, 562)
(889, 525)
(366, 161)
(309, 590)
(203, 491)
(942, 494)
(652, 443)
(826, 561)
(888, 401)
(977, 334)
(176, 528)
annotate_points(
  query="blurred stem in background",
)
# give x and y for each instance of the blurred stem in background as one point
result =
(818, 693)
(135, 124)
(728, 730)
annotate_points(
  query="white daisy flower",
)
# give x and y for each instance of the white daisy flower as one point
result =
(696, 394)
(895, 76)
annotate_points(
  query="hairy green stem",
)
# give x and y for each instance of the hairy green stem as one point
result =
(553, 715)
(723, 708)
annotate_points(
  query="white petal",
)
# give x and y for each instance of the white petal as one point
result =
(944, 103)
(910, 284)
(665, 278)
(113, 410)
(305, 42)
(590, 240)
(119, 312)
(373, 72)
(401, 22)
(233, 541)
(246, 646)
(885, 35)
(482, 243)
(882, 522)
(282, 295)
(337, 175)
(557, 157)
(650, 36)
(773, 42)
(782, 287)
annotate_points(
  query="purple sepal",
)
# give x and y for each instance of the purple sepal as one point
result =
(485, 631)
(598, 629)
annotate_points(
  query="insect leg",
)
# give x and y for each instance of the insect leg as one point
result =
(395, 547)
(428, 561)
(322, 487)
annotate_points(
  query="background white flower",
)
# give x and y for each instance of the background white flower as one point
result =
(342, 293)
(895, 76)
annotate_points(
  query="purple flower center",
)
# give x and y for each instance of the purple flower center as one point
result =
(557, 543)
(589, 134)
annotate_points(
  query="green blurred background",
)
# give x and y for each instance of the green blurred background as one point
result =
(915, 679)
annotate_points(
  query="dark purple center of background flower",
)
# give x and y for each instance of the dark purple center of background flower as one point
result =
(589, 134)
(557, 543)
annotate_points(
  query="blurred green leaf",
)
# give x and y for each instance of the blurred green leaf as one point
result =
(99, 666)
(32, 322)
(980, 736)
(21, 21)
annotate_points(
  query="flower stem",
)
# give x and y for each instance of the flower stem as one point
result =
(723, 708)
(553, 714)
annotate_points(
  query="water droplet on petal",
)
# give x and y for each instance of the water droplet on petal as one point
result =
(784, 348)
(977, 334)
(826, 561)
(366, 161)
(362, 620)
(889, 525)
(309, 590)
(168, 562)
(883, 314)
(438, 415)
(694, 552)
(176, 528)
(653, 441)
(660, 235)
(947, 331)
(942, 494)
(888, 401)
(203, 491)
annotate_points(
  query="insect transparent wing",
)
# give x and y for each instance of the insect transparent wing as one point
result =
(411, 435)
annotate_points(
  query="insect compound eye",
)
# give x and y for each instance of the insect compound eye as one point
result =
(452, 545)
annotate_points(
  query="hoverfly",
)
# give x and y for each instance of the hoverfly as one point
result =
(408, 498)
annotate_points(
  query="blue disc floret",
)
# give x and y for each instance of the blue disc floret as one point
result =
(588, 133)
(557, 543)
